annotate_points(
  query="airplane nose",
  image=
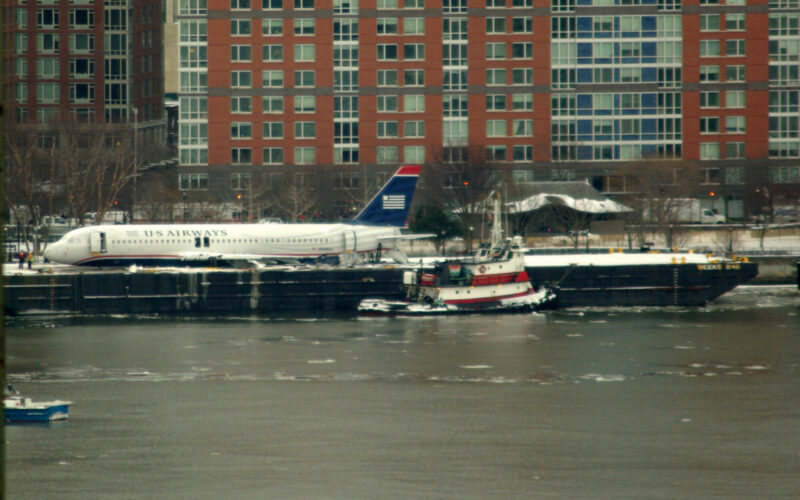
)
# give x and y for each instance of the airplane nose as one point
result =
(51, 252)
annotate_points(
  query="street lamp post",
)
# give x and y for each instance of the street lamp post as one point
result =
(135, 161)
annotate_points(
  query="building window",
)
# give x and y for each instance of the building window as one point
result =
(305, 130)
(522, 128)
(735, 98)
(734, 150)
(81, 92)
(523, 153)
(496, 153)
(414, 128)
(387, 26)
(272, 27)
(735, 124)
(81, 19)
(304, 78)
(495, 128)
(272, 104)
(785, 175)
(241, 53)
(414, 52)
(272, 78)
(709, 48)
(522, 76)
(414, 154)
(522, 50)
(305, 104)
(304, 53)
(47, 19)
(241, 27)
(387, 129)
(709, 22)
(710, 175)
(346, 180)
(734, 175)
(414, 77)
(304, 27)
(387, 52)
(305, 155)
(735, 22)
(272, 53)
(709, 151)
(387, 4)
(522, 102)
(193, 182)
(495, 25)
(387, 103)
(387, 78)
(303, 4)
(272, 156)
(496, 50)
(241, 130)
(46, 68)
(709, 99)
(414, 103)
(709, 125)
(47, 43)
(496, 76)
(271, 4)
(495, 102)
(241, 79)
(414, 26)
(522, 25)
(734, 48)
(709, 74)
(240, 4)
(272, 130)
(241, 104)
(241, 156)
(733, 73)
(388, 154)
(46, 93)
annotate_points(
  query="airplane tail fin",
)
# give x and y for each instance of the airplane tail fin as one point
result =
(390, 206)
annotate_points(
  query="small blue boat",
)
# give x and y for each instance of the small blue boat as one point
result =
(22, 409)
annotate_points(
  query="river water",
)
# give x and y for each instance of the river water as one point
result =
(594, 403)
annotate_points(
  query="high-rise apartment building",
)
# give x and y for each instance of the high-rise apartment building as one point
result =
(568, 89)
(96, 61)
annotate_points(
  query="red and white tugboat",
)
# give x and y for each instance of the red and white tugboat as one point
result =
(494, 280)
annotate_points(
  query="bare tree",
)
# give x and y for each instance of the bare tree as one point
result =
(158, 196)
(357, 194)
(661, 189)
(27, 180)
(296, 195)
(462, 179)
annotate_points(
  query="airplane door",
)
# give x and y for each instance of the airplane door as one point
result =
(350, 241)
(97, 242)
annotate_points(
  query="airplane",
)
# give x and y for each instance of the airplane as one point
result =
(374, 230)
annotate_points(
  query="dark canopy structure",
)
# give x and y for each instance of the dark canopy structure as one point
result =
(567, 206)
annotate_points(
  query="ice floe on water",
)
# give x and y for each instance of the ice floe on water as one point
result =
(476, 367)
(320, 361)
(602, 378)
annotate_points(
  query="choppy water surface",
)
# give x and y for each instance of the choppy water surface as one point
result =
(605, 403)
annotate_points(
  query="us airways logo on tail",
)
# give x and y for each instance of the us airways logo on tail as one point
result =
(390, 206)
(394, 202)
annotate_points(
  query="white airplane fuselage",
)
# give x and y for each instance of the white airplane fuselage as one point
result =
(165, 244)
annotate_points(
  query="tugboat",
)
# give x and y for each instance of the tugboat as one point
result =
(493, 280)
